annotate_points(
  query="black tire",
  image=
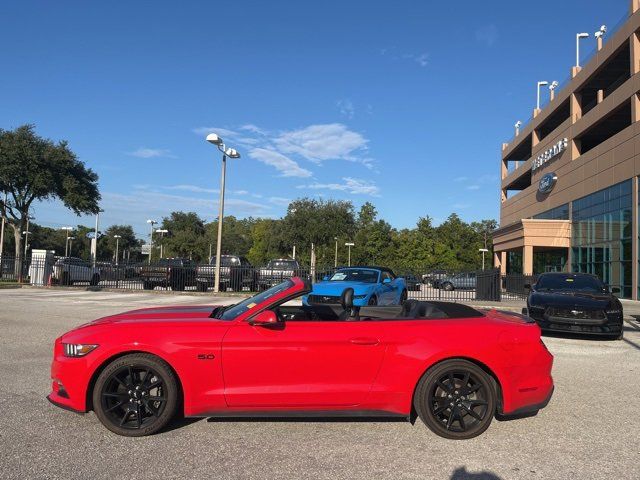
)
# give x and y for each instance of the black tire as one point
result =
(403, 296)
(95, 280)
(448, 286)
(123, 393)
(202, 286)
(147, 285)
(456, 399)
(373, 300)
(64, 279)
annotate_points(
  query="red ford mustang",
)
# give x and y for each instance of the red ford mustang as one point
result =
(454, 366)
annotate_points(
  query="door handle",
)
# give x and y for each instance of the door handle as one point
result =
(364, 341)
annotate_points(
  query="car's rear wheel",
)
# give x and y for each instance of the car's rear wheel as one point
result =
(447, 286)
(136, 395)
(201, 286)
(64, 279)
(373, 300)
(456, 399)
(95, 280)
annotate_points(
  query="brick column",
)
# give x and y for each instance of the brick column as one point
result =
(634, 53)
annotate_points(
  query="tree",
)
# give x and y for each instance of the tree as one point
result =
(33, 168)
(186, 237)
(126, 242)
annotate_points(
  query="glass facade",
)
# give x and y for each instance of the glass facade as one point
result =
(558, 213)
(602, 235)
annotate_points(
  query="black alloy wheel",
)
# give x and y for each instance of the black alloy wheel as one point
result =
(456, 399)
(135, 395)
(372, 301)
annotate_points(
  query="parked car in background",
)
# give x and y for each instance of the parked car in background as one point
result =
(276, 271)
(371, 286)
(69, 270)
(113, 271)
(433, 277)
(460, 281)
(236, 273)
(412, 282)
(575, 303)
(176, 273)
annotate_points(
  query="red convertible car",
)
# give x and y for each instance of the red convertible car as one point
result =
(453, 366)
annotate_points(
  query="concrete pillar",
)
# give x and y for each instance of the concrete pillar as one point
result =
(527, 260)
(575, 107)
(634, 238)
(575, 71)
(635, 5)
(635, 108)
(634, 53)
(536, 111)
(600, 96)
(503, 263)
(535, 138)
(504, 169)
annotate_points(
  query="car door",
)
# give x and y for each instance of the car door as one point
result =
(388, 292)
(300, 364)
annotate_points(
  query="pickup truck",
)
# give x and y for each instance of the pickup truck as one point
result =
(176, 273)
(236, 273)
(277, 271)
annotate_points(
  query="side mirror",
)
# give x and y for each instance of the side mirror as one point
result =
(264, 319)
(386, 280)
(615, 290)
(325, 278)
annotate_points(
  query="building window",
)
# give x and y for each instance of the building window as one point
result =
(601, 235)
(558, 213)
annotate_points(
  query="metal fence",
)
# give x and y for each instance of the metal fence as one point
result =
(174, 275)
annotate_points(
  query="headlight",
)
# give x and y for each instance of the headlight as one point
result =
(77, 349)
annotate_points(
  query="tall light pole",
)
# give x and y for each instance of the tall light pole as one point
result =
(231, 153)
(483, 250)
(66, 242)
(540, 84)
(26, 234)
(71, 239)
(161, 231)
(335, 262)
(349, 244)
(151, 224)
(117, 237)
(599, 34)
(578, 37)
(2, 230)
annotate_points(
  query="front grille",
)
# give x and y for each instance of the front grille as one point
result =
(326, 299)
(558, 314)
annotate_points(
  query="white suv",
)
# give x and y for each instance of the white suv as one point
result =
(68, 270)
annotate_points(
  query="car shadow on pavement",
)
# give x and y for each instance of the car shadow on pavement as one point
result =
(310, 419)
(180, 422)
(462, 474)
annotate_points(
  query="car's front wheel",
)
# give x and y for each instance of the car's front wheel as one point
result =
(456, 399)
(136, 395)
(448, 286)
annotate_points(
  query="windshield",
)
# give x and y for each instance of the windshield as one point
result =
(570, 282)
(355, 275)
(282, 264)
(232, 311)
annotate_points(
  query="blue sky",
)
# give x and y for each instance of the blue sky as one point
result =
(403, 104)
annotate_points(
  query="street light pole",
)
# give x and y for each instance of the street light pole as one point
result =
(578, 37)
(231, 153)
(540, 84)
(2, 230)
(66, 242)
(117, 237)
(335, 262)
(71, 239)
(161, 231)
(349, 244)
(151, 224)
(483, 250)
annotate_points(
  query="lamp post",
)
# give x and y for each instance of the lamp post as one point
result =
(540, 84)
(151, 224)
(66, 242)
(335, 262)
(483, 250)
(517, 126)
(2, 231)
(552, 89)
(117, 237)
(71, 239)
(231, 153)
(578, 37)
(161, 231)
(349, 244)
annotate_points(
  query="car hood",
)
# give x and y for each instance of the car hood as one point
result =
(336, 288)
(571, 299)
(161, 314)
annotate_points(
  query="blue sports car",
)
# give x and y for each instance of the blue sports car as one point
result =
(371, 286)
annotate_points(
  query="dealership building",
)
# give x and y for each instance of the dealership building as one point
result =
(569, 177)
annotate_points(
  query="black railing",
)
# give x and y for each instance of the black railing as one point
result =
(468, 286)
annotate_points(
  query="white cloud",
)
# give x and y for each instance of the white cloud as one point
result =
(346, 108)
(286, 166)
(487, 34)
(253, 129)
(280, 201)
(193, 188)
(318, 143)
(473, 187)
(151, 153)
(350, 185)
(223, 132)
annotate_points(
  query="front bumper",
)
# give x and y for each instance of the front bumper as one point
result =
(69, 381)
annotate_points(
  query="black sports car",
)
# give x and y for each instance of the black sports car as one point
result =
(575, 303)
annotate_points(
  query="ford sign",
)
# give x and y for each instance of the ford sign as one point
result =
(547, 182)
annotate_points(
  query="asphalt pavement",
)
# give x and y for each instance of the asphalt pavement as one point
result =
(589, 430)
